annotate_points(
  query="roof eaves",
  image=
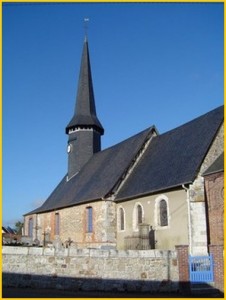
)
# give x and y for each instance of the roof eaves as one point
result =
(149, 193)
(213, 172)
(216, 167)
(39, 211)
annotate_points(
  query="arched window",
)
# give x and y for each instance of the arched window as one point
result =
(89, 219)
(121, 219)
(163, 215)
(57, 224)
(30, 227)
(139, 214)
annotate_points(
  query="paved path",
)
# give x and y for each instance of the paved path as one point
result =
(50, 293)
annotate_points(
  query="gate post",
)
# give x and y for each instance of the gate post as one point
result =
(218, 266)
(183, 267)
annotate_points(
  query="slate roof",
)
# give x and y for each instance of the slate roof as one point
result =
(98, 176)
(170, 160)
(85, 110)
(217, 166)
(173, 158)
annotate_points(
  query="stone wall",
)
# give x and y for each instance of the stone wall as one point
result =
(198, 242)
(73, 225)
(90, 269)
(215, 150)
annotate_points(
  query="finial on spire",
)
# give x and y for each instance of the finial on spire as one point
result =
(86, 20)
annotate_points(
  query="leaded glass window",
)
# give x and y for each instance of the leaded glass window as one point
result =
(163, 213)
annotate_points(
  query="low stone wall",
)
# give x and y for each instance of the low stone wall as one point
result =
(90, 269)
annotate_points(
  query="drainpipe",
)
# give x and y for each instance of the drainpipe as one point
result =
(36, 226)
(189, 218)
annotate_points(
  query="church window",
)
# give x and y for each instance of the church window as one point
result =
(122, 219)
(89, 216)
(30, 227)
(139, 214)
(163, 216)
(57, 224)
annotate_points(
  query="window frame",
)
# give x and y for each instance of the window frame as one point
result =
(89, 219)
(158, 221)
(57, 224)
(163, 214)
(137, 217)
(121, 219)
(30, 227)
(139, 214)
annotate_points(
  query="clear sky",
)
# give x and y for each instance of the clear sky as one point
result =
(158, 64)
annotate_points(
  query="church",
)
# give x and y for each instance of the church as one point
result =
(146, 192)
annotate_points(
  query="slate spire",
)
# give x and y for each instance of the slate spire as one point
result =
(84, 130)
(85, 109)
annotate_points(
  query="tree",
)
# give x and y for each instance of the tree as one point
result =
(18, 227)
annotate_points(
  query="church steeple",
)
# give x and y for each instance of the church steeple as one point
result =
(85, 109)
(84, 129)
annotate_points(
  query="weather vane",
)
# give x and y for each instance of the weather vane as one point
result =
(86, 20)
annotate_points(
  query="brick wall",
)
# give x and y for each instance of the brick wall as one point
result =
(183, 268)
(214, 186)
(199, 243)
(217, 251)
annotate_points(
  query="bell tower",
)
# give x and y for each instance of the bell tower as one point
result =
(84, 130)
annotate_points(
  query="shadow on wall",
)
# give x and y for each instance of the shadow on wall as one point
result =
(34, 286)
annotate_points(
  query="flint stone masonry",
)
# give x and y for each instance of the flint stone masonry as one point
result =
(91, 269)
(197, 198)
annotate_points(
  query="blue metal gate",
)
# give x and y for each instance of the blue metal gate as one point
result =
(201, 268)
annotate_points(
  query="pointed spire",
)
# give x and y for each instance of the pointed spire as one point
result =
(85, 110)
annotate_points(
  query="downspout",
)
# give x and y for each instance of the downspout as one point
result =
(36, 226)
(189, 218)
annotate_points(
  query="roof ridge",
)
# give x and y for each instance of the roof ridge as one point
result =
(129, 138)
(173, 158)
(191, 121)
(134, 161)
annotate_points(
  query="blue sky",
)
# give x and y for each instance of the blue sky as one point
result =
(153, 63)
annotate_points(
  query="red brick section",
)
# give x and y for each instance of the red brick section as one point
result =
(217, 251)
(183, 266)
(214, 187)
